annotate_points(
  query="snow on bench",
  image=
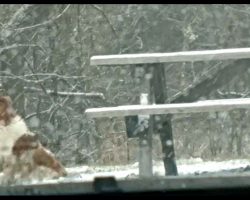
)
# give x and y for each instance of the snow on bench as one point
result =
(184, 56)
(159, 109)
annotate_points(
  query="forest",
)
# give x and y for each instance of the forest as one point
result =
(45, 53)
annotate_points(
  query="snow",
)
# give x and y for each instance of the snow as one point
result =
(169, 142)
(185, 167)
(211, 166)
(176, 108)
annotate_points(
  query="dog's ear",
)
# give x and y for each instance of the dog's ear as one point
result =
(7, 111)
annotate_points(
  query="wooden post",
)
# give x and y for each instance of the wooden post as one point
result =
(163, 122)
(145, 143)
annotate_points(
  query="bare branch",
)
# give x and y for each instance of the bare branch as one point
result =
(55, 75)
(90, 94)
(25, 80)
(34, 114)
(18, 14)
(16, 46)
(107, 19)
(238, 10)
(233, 94)
(47, 76)
(39, 83)
(44, 23)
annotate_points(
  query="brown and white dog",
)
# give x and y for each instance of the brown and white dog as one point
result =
(21, 153)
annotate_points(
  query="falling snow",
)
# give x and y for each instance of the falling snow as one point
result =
(34, 122)
(144, 142)
(169, 143)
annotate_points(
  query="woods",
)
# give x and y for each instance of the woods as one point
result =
(45, 67)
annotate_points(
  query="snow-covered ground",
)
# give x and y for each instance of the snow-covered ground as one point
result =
(185, 167)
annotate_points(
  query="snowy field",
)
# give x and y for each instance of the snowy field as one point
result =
(185, 167)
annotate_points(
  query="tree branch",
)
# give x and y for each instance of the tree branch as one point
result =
(51, 92)
(44, 23)
(45, 75)
(18, 14)
(107, 19)
(16, 46)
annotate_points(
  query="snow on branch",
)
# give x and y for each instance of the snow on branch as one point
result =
(233, 94)
(16, 46)
(46, 76)
(60, 93)
(45, 22)
(185, 56)
(19, 14)
(159, 109)
(106, 18)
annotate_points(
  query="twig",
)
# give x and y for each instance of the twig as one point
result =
(44, 23)
(16, 46)
(15, 17)
(107, 19)
(47, 76)
(90, 94)
(55, 75)
(39, 83)
(238, 10)
(34, 114)
(232, 94)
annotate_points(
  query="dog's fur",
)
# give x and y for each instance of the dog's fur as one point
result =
(21, 152)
